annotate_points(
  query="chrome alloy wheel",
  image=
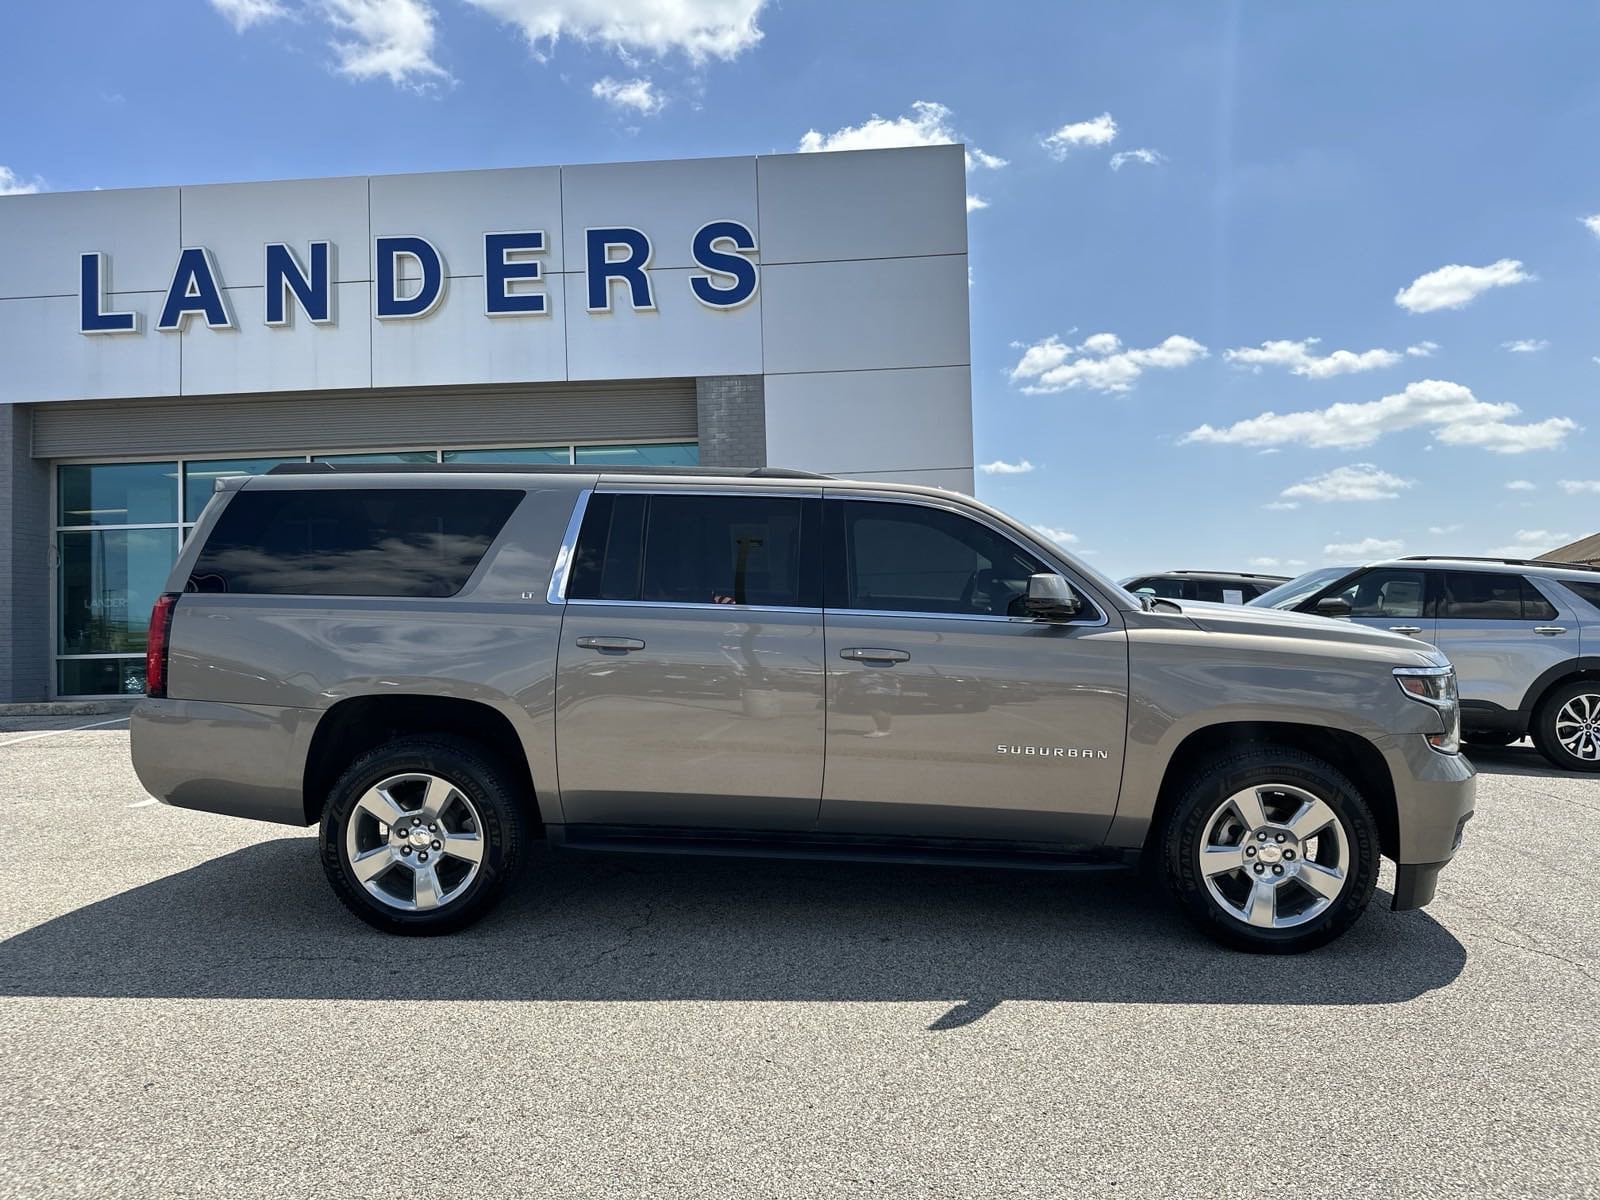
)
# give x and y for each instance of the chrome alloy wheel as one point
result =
(1274, 856)
(414, 841)
(1578, 727)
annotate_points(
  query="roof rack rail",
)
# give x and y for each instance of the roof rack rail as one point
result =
(1509, 562)
(487, 468)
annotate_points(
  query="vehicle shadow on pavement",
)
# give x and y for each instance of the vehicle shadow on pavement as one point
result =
(261, 923)
(1517, 760)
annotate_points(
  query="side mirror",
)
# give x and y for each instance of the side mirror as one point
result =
(1050, 598)
(1333, 606)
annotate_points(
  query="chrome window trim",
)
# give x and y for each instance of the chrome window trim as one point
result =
(557, 592)
(845, 493)
(695, 605)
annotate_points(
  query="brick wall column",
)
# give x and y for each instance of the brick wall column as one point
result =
(731, 411)
(24, 560)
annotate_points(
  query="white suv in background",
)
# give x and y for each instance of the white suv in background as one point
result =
(1523, 635)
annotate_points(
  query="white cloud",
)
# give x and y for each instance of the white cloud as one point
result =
(1268, 563)
(1443, 529)
(1300, 359)
(1592, 223)
(1521, 485)
(1282, 505)
(242, 14)
(392, 38)
(928, 125)
(638, 94)
(1059, 536)
(1370, 547)
(1098, 131)
(1531, 543)
(699, 29)
(1099, 362)
(1422, 350)
(1455, 285)
(11, 184)
(1001, 467)
(1360, 481)
(1145, 155)
(1454, 415)
(1525, 345)
(1575, 487)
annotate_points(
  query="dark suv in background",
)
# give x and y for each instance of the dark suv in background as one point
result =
(1523, 635)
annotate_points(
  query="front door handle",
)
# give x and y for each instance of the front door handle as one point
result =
(1550, 630)
(872, 654)
(619, 645)
(1408, 629)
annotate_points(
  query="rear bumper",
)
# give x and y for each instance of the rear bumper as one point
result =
(1435, 795)
(236, 759)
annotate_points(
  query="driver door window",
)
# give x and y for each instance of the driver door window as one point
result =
(1386, 593)
(915, 559)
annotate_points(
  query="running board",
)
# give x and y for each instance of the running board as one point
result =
(624, 839)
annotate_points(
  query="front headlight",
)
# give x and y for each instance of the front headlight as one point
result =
(1435, 686)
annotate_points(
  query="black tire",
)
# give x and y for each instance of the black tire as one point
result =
(1545, 737)
(500, 825)
(1237, 771)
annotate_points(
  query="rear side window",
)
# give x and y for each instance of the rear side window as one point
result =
(356, 542)
(1486, 596)
(689, 549)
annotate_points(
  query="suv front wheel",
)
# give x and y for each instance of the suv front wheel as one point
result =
(1566, 729)
(421, 835)
(1272, 850)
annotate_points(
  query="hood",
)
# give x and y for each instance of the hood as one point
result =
(1275, 622)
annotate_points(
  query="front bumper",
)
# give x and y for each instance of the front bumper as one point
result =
(1435, 795)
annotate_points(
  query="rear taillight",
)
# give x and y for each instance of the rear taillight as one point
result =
(157, 644)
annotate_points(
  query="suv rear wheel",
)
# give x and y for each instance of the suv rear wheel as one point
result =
(421, 835)
(1566, 729)
(1272, 850)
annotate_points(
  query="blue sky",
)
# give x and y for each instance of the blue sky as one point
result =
(1408, 185)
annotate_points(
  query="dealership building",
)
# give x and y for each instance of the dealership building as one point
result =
(794, 310)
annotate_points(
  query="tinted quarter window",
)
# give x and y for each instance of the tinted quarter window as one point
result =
(910, 558)
(355, 542)
(687, 549)
(1486, 596)
(1584, 591)
(1385, 593)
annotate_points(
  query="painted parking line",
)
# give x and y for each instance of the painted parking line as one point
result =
(52, 732)
(144, 803)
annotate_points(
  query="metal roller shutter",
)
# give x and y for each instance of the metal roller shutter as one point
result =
(529, 414)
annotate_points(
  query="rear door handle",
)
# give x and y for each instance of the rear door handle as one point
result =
(1549, 630)
(872, 654)
(619, 644)
(1410, 629)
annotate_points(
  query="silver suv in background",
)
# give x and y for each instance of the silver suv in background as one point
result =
(1522, 634)
(437, 664)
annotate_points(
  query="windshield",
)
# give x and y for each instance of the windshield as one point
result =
(1287, 595)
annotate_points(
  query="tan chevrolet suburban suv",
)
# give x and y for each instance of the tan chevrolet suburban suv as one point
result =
(439, 664)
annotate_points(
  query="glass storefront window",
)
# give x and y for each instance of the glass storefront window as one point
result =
(100, 677)
(669, 454)
(200, 477)
(117, 494)
(530, 454)
(403, 456)
(109, 580)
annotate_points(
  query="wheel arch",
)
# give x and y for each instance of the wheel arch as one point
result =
(357, 724)
(1585, 666)
(1350, 753)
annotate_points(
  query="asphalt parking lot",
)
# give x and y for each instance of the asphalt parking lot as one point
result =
(185, 1010)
